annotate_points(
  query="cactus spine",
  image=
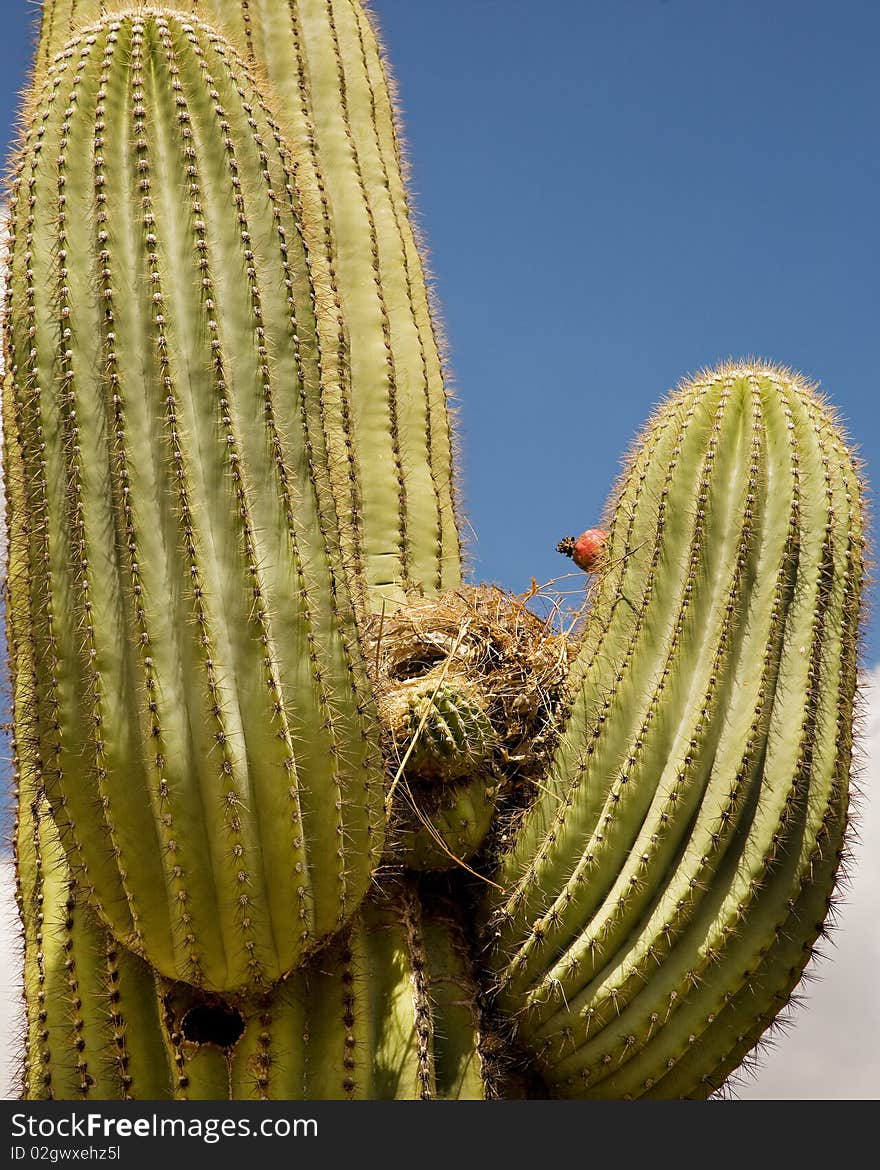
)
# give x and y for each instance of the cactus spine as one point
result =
(694, 814)
(199, 681)
(392, 455)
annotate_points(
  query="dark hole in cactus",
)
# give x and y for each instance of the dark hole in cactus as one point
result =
(213, 1023)
(419, 664)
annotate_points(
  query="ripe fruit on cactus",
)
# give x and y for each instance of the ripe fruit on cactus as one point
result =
(586, 551)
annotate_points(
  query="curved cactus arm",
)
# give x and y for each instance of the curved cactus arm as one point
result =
(207, 739)
(699, 789)
(392, 455)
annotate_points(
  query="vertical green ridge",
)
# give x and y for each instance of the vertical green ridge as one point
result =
(93, 1022)
(612, 704)
(387, 1011)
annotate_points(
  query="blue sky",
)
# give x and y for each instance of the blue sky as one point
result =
(615, 193)
(618, 193)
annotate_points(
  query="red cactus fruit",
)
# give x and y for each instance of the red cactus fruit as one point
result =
(587, 550)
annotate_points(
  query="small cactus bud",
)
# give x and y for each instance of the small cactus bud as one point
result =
(587, 550)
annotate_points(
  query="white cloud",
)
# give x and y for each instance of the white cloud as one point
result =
(830, 1049)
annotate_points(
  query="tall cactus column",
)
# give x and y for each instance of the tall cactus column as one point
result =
(664, 893)
(208, 745)
(391, 451)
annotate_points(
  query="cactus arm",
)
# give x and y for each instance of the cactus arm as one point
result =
(619, 975)
(267, 680)
(398, 1011)
(392, 456)
(376, 421)
(610, 713)
(774, 970)
(630, 839)
(400, 302)
(337, 98)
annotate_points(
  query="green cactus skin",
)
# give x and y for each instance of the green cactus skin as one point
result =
(663, 895)
(93, 1021)
(386, 1012)
(321, 66)
(205, 734)
(441, 826)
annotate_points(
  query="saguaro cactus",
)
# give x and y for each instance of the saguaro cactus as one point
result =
(226, 441)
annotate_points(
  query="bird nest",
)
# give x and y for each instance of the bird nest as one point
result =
(492, 644)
